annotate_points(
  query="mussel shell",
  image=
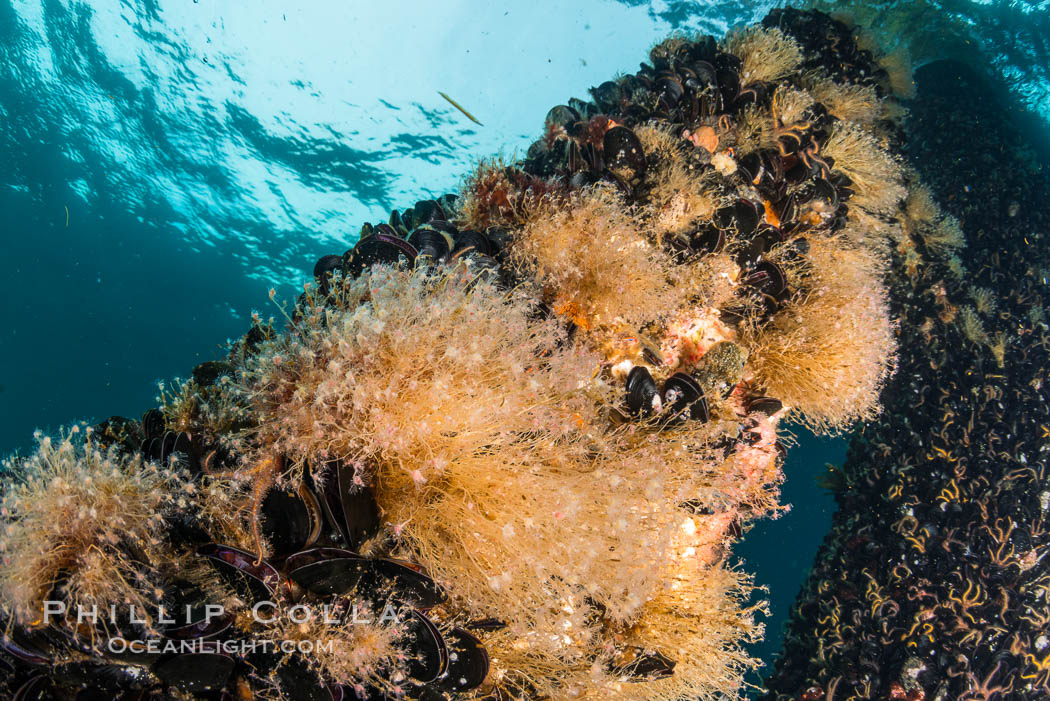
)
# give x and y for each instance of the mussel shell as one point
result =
(767, 278)
(470, 241)
(764, 405)
(298, 681)
(795, 172)
(751, 168)
(708, 239)
(647, 666)
(352, 508)
(742, 217)
(153, 425)
(22, 651)
(324, 268)
(36, 689)
(681, 392)
(750, 252)
(377, 248)
(118, 430)
(327, 571)
(290, 520)
(211, 371)
(623, 153)
(432, 243)
(468, 662)
(398, 224)
(195, 672)
(641, 391)
(252, 577)
(606, 96)
(671, 91)
(562, 116)
(825, 192)
(425, 648)
(404, 582)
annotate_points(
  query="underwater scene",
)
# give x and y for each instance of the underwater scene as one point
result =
(613, 349)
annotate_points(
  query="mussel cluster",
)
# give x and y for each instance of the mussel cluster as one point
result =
(424, 230)
(314, 532)
(776, 200)
(933, 583)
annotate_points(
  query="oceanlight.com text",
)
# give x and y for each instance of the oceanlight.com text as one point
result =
(227, 647)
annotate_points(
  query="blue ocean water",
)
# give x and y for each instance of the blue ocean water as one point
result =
(164, 163)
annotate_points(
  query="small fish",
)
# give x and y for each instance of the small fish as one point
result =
(460, 108)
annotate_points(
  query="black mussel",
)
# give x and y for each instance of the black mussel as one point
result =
(204, 626)
(764, 405)
(431, 243)
(485, 269)
(728, 85)
(427, 211)
(351, 507)
(706, 74)
(472, 242)
(708, 239)
(406, 583)
(646, 666)
(290, 520)
(425, 648)
(195, 672)
(789, 142)
(623, 153)
(592, 158)
(298, 681)
(773, 165)
(251, 576)
(826, 194)
(768, 235)
(36, 689)
(751, 168)
(753, 93)
(561, 117)
(745, 217)
(671, 91)
(840, 180)
(795, 171)
(573, 156)
(171, 446)
(766, 277)
(643, 396)
(397, 223)
(606, 96)
(380, 247)
(682, 392)
(332, 576)
(324, 268)
(787, 212)
(447, 202)
(750, 252)
(22, 650)
(468, 662)
(211, 371)
(153, 425)
(119, 430)
(444, 227)
(327, 571)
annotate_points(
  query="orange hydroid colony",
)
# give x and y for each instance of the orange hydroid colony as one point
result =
(529, 420)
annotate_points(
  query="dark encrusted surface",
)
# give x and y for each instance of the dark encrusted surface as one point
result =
(934, 582)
